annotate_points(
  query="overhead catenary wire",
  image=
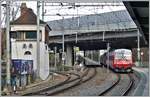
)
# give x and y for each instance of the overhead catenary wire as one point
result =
(81, 4)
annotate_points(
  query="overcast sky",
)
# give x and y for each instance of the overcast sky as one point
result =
(63, 10)
(51, 11)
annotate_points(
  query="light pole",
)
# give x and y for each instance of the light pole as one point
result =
(63, 44)
(142, 58)
(138, 45)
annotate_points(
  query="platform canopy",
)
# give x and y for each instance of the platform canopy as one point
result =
(139, 12)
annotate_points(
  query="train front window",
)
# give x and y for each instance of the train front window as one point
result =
(123, 56)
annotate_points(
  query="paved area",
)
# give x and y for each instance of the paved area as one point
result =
(146, 90)
(143, 88)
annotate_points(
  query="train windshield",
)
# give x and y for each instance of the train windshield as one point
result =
(126, 56)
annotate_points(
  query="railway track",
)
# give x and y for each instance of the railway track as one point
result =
(130, 85)
(121, 87)
(72, 80)
(51, 87)
(64, 86)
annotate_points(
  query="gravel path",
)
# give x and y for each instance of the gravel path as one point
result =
(143, 86)
(91, 87)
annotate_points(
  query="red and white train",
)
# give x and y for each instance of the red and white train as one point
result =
(120, 60)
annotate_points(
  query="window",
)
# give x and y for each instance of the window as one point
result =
(123, 56)
(17, 35)
(25, 35)
(13, 35)
(30, 35)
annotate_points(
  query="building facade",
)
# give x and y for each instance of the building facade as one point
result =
(23, 35)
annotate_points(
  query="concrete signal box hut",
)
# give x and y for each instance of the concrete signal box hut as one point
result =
(24, 47)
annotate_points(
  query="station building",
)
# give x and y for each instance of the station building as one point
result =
(23, 33)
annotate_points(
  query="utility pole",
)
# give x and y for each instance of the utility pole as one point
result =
(108, 63)
(8, 44)
(78, 27)
(0, 42)
(13, 16)
(43, 10)
(74, 52)
(63, 57)
(138, 44)
(103, 35)
(63, 44)
(38, 40)
(99, 56)
(0, 34)
(55, 48)
(76, 37)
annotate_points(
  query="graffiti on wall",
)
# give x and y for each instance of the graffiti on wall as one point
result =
(22, 66)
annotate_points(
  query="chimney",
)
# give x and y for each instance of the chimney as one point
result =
(23, 8)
